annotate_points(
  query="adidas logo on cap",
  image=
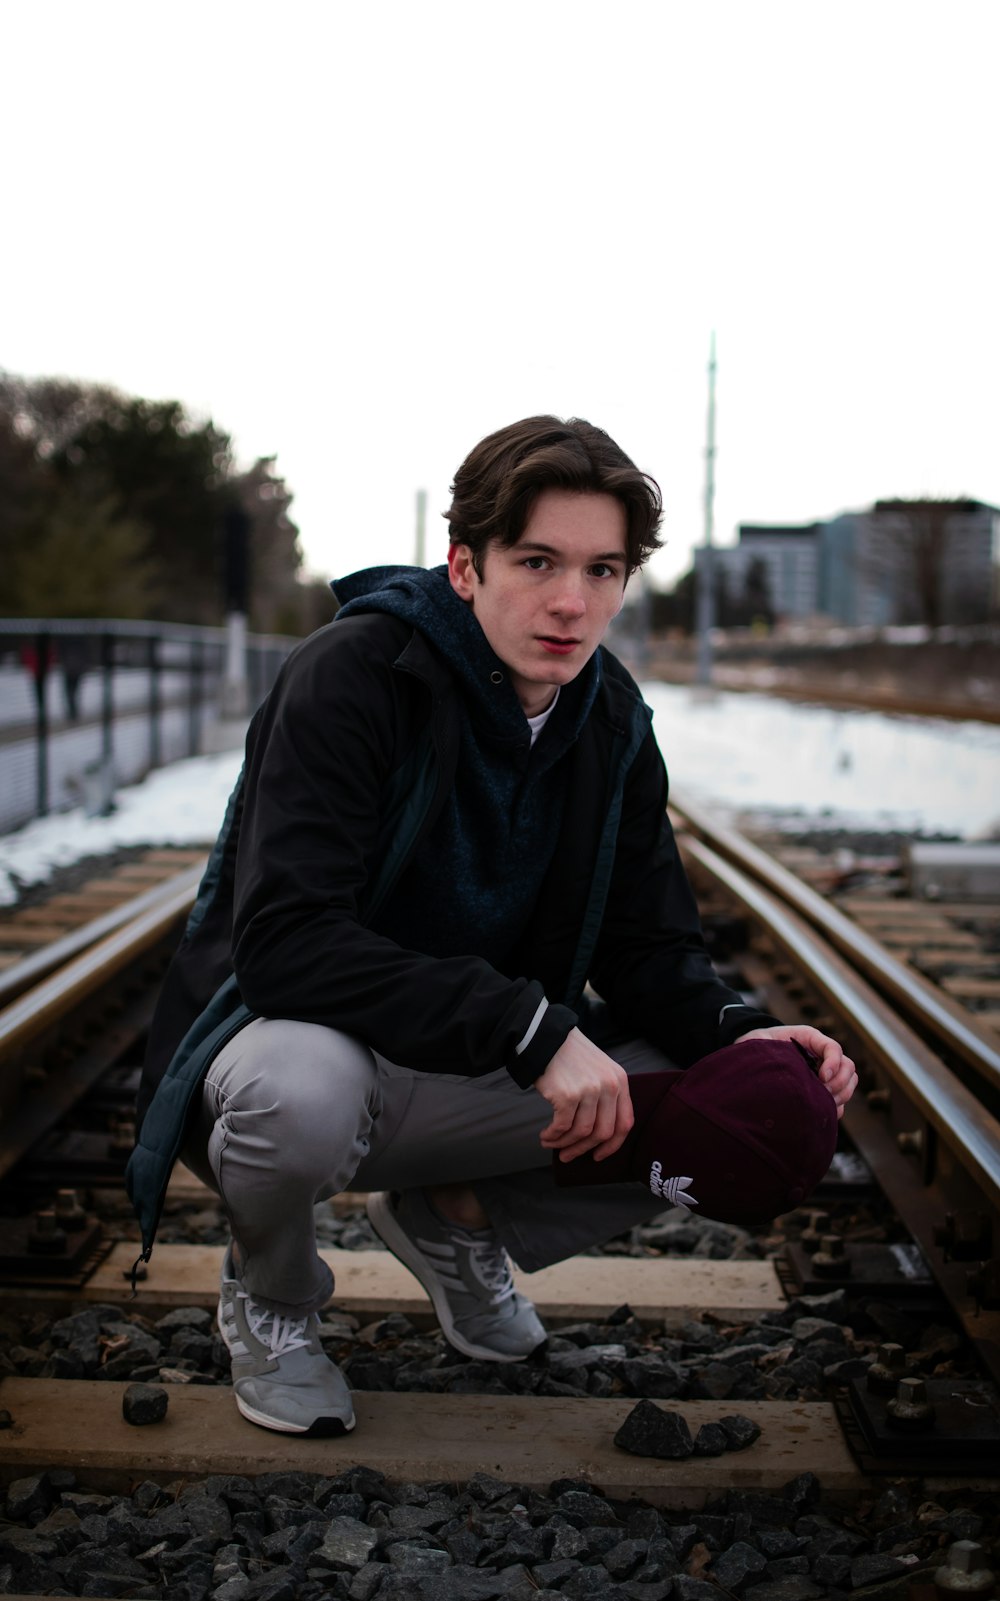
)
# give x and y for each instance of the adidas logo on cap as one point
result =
(673, 1190)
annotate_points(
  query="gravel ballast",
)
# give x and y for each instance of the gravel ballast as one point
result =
(309, 1538)
(355, 1537)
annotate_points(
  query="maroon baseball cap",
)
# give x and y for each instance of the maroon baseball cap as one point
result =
(743, 1135)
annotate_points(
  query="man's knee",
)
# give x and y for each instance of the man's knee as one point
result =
(296, 1070)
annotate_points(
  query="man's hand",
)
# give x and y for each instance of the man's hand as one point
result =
(588, 1093)
(836, 1071)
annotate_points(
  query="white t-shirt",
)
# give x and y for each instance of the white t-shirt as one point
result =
(536, 724)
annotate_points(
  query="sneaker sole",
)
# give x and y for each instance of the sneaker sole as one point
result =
(382, 1220)
(320, 1427)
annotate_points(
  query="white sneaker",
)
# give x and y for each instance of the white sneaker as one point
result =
(465, 1272)
(282, 1379)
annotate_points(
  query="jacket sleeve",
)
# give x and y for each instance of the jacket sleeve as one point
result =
(315, 789)
(651, 965)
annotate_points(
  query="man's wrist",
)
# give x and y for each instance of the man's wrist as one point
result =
(737, 1019)
(553, 1027)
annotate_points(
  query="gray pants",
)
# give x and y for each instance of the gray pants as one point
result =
(293, 1113)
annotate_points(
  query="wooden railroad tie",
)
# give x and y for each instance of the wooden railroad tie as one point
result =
(899, 910)
(954, 939)
(941, 957)
(531, 1441)
(973, 989)
(373, 1284)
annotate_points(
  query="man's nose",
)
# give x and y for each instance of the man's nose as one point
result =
(569, 600)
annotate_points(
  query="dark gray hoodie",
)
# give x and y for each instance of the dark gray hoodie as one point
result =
(500, 827)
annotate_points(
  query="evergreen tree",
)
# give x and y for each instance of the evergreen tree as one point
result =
(46, 576)
(111, 505)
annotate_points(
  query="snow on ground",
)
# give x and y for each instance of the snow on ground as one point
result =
(183, 804)
(741, 751)
(845, 768)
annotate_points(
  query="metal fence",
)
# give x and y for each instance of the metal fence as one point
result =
(88, 706)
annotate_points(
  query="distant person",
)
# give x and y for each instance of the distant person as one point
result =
(37, 664)
(74, 659)
(445, 940)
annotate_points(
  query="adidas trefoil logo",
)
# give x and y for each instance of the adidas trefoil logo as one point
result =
(673, 1190)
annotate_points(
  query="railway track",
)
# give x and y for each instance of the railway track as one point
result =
(37, 940)
(926, 1117)
(651, 1321)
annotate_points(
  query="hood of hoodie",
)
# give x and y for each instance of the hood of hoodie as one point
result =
(500, 824)
(425, 599)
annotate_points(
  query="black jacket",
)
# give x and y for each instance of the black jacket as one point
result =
(348, 764)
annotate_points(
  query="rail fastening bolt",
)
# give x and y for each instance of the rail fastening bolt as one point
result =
(910, 1409)
(45, 1237)
(965, 1570)
(69, 1212)
(885, 1373)
(812, 1235)
(831, 1261)
(911, 1141)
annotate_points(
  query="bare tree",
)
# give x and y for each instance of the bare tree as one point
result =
(926, 558)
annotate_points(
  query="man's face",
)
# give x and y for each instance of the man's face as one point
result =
(544, 604)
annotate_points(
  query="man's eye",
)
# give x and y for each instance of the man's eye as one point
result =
(601, 569)
(536, 563)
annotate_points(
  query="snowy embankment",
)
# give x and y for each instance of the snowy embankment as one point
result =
(867, 770)
(183, 804)
(742, 752)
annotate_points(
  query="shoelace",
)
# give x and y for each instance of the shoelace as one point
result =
(492, 1269)
(286, 1333)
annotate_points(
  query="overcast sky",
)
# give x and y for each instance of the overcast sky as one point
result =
(360, 237)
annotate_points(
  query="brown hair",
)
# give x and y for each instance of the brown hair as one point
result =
(499, 481)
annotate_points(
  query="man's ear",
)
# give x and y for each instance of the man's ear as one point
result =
(462, 573)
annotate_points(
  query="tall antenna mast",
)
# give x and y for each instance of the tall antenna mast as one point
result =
(419, 544)
(703, 557)
(710, 448)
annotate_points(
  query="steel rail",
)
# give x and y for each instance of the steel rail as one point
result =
(24, 1020)
(960, 1120)
(14, 981)
(922, 1001)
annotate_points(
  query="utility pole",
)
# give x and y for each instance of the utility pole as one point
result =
(236, 549)
(421, 527)
(704, 573)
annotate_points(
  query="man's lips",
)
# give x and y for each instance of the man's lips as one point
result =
(556, 646)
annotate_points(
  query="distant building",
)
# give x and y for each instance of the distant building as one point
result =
(789, 555)
(927, 561)
(899, 562)
(856, 589)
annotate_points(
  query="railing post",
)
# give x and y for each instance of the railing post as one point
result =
(40, 674)
(100, 801)
(153, 664)
(194, 698)
(107, 702)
